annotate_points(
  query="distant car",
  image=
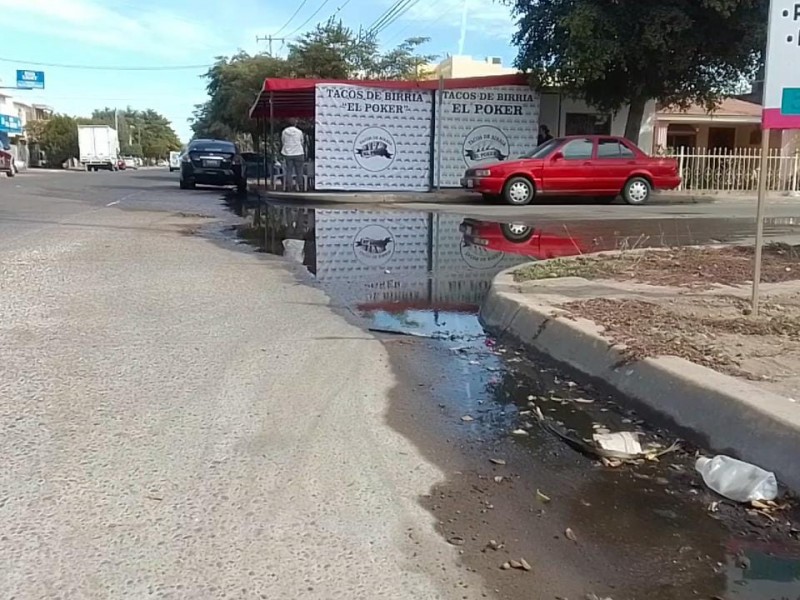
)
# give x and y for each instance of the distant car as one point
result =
(213, 162)
(7, 165)
(174, 161)
(130, 162)
(597, 166)
(519, 238)
(121, 164)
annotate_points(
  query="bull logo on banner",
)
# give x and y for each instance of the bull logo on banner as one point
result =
(374, 149)
(485, 144)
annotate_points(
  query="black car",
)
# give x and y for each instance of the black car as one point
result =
(213, 162)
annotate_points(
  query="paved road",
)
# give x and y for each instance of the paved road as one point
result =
(183, 417)
(184, 420)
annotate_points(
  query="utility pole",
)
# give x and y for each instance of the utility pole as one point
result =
(269, 39)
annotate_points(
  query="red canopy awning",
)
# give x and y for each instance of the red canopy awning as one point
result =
(297, 97)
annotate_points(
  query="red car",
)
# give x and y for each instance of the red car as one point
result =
(519, 238)
(7, 165)
(591, 165)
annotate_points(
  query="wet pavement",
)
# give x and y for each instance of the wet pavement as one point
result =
(649, 530)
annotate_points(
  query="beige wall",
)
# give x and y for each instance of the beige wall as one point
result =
(554, 109)
(459, 66)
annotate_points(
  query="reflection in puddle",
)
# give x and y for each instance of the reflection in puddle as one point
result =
(427, 273)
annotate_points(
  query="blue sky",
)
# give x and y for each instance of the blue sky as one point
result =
(192, 32)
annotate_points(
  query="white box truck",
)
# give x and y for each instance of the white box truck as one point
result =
(98, 146)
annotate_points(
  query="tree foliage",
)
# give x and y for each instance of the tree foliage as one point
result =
(329, 51)
(143, 133)
(58, 137)
(625, 52)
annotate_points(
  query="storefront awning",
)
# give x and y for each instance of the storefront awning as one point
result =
(296, 97)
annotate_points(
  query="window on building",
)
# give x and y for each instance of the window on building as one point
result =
(587, 124)
(578, 150)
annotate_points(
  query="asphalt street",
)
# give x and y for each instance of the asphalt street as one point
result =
(183, 420)
(186, 416)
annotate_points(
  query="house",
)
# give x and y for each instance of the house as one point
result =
(734, 126)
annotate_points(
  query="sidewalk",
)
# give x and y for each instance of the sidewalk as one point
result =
(668, 329)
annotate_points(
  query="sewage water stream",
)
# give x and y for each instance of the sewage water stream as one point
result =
(650, 530)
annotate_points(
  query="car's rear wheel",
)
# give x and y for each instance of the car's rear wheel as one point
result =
(11, 172)
(517, 232)
(637, 190)
(519, 191)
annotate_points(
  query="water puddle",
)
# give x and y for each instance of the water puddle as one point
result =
(421, 277)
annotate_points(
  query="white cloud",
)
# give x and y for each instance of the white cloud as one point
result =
(488, 19)
(147, 30)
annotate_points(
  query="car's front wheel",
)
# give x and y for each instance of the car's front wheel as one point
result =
(519, 191)
(637, 190)
(187, 185)
(516, 232)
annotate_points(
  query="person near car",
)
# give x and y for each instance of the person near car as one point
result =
(293, 150)
(544, 135)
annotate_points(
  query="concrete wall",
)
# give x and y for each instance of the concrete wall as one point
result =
(554, 108)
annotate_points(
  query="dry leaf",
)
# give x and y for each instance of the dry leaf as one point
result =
(542, 497)
(497, 461)
(760, 505)
(498, 479)
(525, 565)
(520, 432)
(571, 535)
(467, 419)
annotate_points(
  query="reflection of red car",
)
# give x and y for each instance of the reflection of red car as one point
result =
(7, 163)
(518, 238)
(600, 166)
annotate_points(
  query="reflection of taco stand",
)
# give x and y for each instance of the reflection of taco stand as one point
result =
(382, 135)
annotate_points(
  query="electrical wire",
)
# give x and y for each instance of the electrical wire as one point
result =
(396, 11)
(383, 17)
(106, 68)
(294, 14)
(304, 23)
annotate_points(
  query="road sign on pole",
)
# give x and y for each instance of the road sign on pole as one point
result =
(30, 80)
(781, 105)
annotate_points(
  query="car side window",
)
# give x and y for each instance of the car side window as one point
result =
(578, 149)
(626, 152)
(609, 148)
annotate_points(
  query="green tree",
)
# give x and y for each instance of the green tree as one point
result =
(233, 85)
(141, 133)
(329, 51)
(58, 137)
(626, 52)
(404, 62)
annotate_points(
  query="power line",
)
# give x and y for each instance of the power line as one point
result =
(383, 16)
(294, 14)
(397, 10)
(304, 23)
(105, 68)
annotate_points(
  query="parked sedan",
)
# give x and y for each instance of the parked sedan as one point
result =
(212, 162)
(597, 166)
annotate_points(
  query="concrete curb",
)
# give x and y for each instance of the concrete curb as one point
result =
(729, 415)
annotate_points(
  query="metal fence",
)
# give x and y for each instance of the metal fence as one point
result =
(723, 170)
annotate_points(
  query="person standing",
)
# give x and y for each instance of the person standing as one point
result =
(544, 135)
(293, 150)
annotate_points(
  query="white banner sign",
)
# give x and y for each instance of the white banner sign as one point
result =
(372, 138)
(485, 125)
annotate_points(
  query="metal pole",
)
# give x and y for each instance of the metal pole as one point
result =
(440, 116)
(271, 135)
(762, 196)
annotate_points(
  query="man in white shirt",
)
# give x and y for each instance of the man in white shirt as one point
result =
(293, 150)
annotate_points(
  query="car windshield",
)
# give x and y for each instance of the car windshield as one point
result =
(543, 150)
(213, 147)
